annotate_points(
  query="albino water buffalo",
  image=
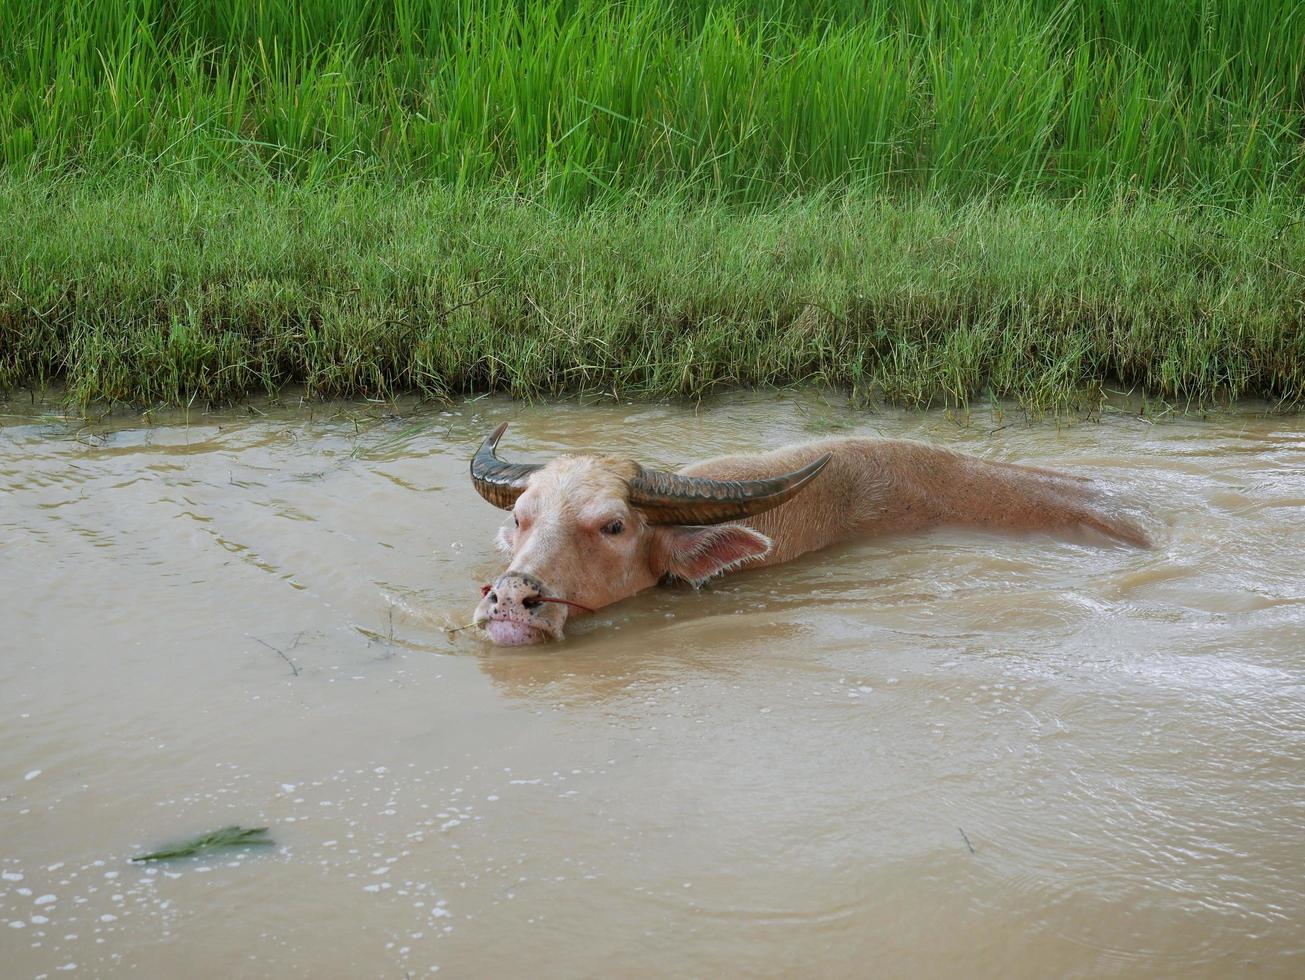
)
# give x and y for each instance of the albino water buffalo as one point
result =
(589, 530)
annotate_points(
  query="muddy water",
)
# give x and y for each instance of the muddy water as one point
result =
(942, 755)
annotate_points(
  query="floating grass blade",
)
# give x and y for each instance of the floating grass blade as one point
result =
(227, 837)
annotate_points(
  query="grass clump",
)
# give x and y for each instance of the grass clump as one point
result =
(206, 291)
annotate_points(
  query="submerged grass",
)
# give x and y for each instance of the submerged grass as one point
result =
(203, 291)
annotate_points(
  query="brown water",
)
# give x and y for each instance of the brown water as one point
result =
(953, 754)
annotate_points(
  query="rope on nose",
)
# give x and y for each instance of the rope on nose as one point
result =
(484, 591)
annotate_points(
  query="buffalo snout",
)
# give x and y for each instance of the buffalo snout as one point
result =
(515, 611)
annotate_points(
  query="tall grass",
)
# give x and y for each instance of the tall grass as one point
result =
(752, 100)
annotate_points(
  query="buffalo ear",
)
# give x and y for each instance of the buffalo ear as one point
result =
(695, 554)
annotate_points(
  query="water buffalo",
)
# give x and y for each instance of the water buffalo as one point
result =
(589, 530)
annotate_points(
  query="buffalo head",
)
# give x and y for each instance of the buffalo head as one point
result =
(587, 531)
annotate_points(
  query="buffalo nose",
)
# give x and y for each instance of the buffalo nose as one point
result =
(516, 588)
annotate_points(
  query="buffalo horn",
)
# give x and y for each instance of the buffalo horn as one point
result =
(668, 498)
(498, 482)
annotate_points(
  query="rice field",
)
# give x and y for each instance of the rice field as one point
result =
(755, 99)
(918, 200)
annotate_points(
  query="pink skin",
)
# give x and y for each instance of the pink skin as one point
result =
(574, 540)
(573, 536)
(507, 633)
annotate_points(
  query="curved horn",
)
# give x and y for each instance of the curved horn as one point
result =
(668, 498)
(498, 482)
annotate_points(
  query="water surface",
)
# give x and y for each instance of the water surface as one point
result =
(938, 755)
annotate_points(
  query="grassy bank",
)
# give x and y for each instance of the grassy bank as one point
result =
(206, 291)
(919, 199)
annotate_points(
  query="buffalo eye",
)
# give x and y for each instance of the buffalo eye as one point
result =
(615, 527)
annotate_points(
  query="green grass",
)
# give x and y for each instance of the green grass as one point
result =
(206, 291)
(918, 199)
(217, 840)
(753, 100)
